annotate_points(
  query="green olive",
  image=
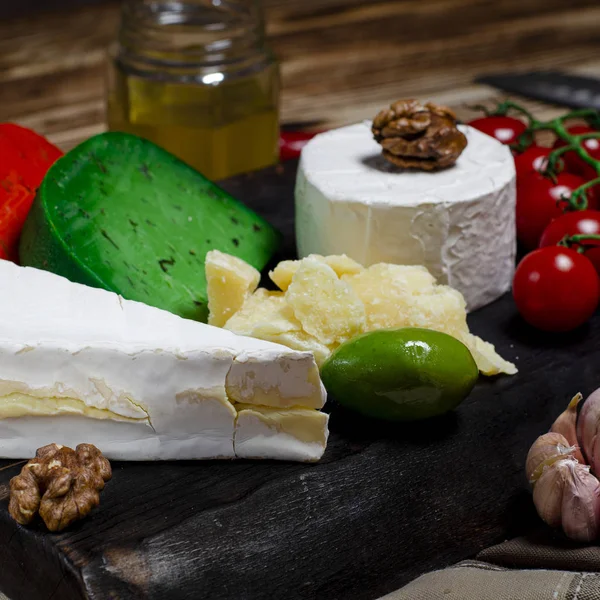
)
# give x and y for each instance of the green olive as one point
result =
(401, 374)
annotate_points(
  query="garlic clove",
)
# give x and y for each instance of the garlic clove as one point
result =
(566, 424)
(581, 504)
(549, 491)
(546, 450)
(588, 428)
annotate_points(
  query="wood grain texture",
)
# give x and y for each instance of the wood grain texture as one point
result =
(341, 60)
(384, 505)
(33, 7)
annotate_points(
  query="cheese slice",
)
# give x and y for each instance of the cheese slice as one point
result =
(229, 282)
(295, 434)
(457, 222)
(79, 364)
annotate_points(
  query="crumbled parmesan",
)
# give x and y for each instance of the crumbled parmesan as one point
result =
(326, 301)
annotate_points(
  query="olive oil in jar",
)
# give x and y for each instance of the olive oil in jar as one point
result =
(196, 78)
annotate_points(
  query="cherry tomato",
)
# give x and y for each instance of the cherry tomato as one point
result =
(504, 129)
(532, 159)
(556, 289)
(292, 142)
(584, 222)
(573, 162)
(539, 202)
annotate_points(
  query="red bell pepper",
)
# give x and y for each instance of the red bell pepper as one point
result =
(25, 158)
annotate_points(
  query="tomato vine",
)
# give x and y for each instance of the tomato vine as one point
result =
(578, 199)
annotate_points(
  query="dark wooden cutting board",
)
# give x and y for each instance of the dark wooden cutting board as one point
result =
(384, 505)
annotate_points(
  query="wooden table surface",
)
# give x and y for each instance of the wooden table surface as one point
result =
(385, 503)
(342, 60)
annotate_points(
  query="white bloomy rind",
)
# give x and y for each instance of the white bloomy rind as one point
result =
(260, 437)
(79, 364)
(458, 222)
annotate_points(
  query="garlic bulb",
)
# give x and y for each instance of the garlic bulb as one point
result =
(549, 491)
(588, 430)
(566, 424)
(565, 492)
(581, 503)
(546, 450)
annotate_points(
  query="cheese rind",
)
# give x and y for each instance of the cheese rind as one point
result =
(120, 213)
(118, 440)
(301, 432)
(457, 222)
(170, 383)
(287, 380)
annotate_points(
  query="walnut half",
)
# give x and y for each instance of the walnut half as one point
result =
(62, 484)
(419, 136)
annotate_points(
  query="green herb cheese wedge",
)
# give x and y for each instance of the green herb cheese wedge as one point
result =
(400, 374)
(122, 214)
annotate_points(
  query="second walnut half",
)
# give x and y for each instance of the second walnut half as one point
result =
(417, 136)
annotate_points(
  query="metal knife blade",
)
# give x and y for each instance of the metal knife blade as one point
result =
(549, 86)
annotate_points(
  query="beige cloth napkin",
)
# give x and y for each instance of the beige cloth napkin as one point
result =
(474, 580)
(542, 566)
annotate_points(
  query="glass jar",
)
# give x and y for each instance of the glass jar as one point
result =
(197, 78)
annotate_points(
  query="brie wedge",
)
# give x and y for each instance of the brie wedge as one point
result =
(458, 222)
(79, 364)
(292, 434)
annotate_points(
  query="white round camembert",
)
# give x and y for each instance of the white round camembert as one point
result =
(458, 222)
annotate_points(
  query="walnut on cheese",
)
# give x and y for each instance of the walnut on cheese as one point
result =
(61, 484)
(326, 300)
(417, 136)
